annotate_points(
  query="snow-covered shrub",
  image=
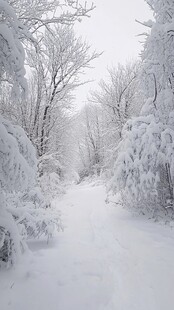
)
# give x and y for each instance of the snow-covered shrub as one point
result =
(23, 211)
(144, 169)
(18, 158)
(33, 214)
(17, 173)
(10, 241)
(51, 185)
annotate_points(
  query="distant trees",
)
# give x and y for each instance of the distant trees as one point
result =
(144, 168)
(117, 99)
(90, 141)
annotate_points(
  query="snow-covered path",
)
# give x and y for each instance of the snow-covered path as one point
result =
(105, 259)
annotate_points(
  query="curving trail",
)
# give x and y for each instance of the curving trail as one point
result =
(104, 260)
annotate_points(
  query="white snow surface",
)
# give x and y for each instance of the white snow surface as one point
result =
(104, 259)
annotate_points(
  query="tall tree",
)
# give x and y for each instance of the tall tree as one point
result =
(18, 164)
(56, 58)
(56, 74)
(145, 164)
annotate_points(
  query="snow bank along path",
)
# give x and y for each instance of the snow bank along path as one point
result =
(105, 259)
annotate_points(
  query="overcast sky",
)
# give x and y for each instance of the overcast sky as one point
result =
(113, 30)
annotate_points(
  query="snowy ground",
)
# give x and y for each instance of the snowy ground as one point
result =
(105, 259)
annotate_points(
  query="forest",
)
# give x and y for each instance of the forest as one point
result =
(122, 138)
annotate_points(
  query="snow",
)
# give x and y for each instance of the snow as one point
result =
(105, 259)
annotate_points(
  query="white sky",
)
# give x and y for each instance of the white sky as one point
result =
(113, 30)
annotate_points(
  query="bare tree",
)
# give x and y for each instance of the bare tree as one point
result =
(55, 74)
(66, 58)
(42, 13)
(118, 95)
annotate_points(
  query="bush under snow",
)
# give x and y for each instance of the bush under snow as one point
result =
(23, 211)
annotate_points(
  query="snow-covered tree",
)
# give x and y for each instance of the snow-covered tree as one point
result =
(144, 168)
(23, 212)
(14, 168)
(35, 15)
(12, 54)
